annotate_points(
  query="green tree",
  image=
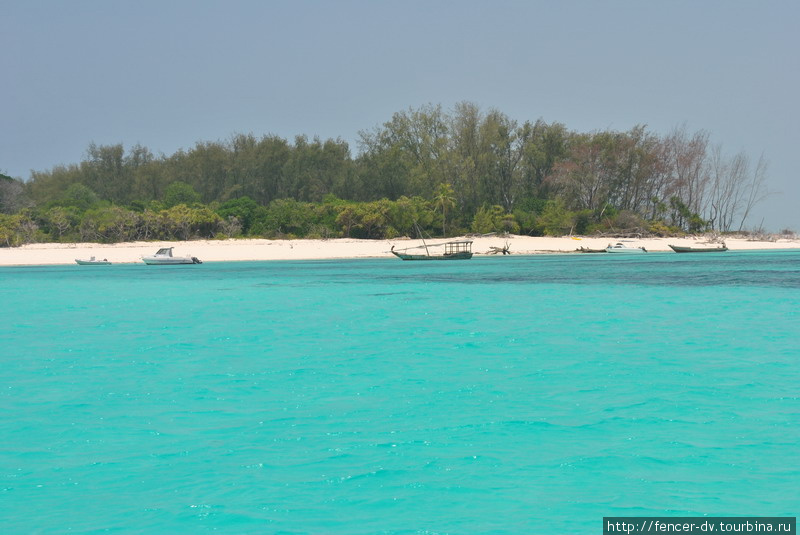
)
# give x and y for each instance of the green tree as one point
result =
(494, 219)
(289, 217)
(445, 200)
(555, 219)
(258, 166)
(365, 220)
(80, 197)
(180, 193)
(59, 220)
(15, 229)
(417, 142)
(244, 209)
(152, 225)
(104, 171)
(315, 169)
(109, 224)
(545, 146)
(186, 222)
(406, 213)
(502, 150)
(12, 195)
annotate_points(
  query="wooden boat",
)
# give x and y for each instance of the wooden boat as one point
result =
(92, 262)
(453, 250)
(621, 248)
(678, 249)
(164, 257)
(587, 250)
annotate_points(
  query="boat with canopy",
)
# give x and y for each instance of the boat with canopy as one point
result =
(452, 250)
(164, 257)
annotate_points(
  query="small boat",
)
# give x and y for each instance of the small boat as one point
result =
(588, 250)
(624, 249)
(164, 257)
(93, 262)
(453, 250)
(678, 249)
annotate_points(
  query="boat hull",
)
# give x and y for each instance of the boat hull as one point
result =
(679, 249)
(632, 250)
(92, 262)
(163, 257)
(621, 248)
(174, 260)
(454, 256)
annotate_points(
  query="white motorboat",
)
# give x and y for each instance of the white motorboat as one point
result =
(164, 257)
(93, 262)
(622, 248)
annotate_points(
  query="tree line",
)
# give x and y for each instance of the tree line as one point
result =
(446, 173)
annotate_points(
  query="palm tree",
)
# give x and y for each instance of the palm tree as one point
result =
(444, 200)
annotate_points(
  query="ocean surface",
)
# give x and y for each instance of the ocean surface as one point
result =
(497, 395)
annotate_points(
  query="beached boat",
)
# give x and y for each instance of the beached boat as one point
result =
(93, 262)
(164, 257)
(588, 250)
(624, 249)
(452, 250)
(678, 249)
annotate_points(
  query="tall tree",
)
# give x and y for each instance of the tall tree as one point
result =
(270, 183)
(423, 135)
(504, 143)
(444, 200)
(104, 171)
(584, 180)
(687, 158)
(756, 189)
(545, 146)
(145, 176)
(12, 195)
(465, 155)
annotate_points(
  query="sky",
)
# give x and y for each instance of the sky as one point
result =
(167, 74)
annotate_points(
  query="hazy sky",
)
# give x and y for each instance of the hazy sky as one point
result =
(169, 73)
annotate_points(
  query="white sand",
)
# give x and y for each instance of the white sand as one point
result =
(240, 250)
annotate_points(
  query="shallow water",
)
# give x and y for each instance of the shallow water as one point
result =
(505, 395)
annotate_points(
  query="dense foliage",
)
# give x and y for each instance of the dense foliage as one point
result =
(448, 173)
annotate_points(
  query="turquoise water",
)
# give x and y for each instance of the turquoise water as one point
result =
(500, 395)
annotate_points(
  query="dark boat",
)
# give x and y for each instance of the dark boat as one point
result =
(678, 249)
(453, 250)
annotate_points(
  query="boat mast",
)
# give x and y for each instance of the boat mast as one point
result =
(419, 231)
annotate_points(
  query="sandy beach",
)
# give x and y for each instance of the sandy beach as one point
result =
(261, 249)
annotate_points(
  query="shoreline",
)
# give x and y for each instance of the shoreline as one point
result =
(232, 250)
